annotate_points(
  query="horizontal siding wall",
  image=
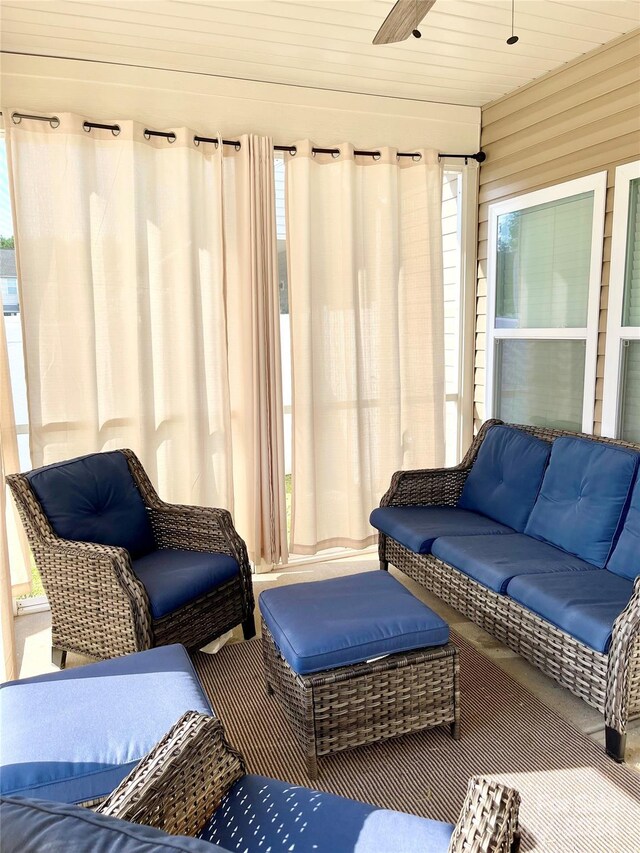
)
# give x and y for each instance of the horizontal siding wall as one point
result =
(581, 119)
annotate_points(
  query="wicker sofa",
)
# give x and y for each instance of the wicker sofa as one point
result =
(535, 536)
(192, 793)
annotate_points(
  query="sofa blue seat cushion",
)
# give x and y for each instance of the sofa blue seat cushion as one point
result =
(174, 577)
(506, 476)
(265, 814)
(347, 620)
(583, 496)
(625, 559)
(94, 499)
(34, 826)
(416, 527)
(72, 736)
(583, 604)
(494, 560)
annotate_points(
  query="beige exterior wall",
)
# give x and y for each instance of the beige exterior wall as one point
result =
(580, 119)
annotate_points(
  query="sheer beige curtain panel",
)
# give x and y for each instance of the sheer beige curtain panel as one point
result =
(253, 317)
(127, 254)
(367, 334)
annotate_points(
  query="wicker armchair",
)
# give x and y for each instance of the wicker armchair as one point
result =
(99, 606)
(609, 682)
(183, 780)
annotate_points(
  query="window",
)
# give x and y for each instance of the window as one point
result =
(621, 407)
(545, 259)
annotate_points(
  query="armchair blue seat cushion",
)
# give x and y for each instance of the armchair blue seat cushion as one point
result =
(72, 736)
(94, 499)
(174, 577)
(265, 814)
(494, 560)
(34, 826)
(346, 620)
(584, 493)
(625, 559)
(416, 527)
(506, 476)
(583, 604)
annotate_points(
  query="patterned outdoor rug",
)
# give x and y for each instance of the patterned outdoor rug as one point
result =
(573, 797)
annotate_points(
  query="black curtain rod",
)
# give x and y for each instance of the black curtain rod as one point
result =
(54, 121)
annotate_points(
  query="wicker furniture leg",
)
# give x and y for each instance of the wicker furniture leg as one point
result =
(58, 657)
(623, 675)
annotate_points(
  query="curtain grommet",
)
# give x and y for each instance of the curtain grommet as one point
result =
(115, 130)
(336, 154)
(196, 141)
(377, 155)
(293, 151)
(416, 157)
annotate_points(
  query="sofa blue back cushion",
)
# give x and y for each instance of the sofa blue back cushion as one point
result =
(506, 477)
(34, 826)
(625, 560)
(583, 496)
(94, 499)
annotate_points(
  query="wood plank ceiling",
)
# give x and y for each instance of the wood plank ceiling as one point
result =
(462, 57)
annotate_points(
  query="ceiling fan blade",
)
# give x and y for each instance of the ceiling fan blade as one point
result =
(402, 20)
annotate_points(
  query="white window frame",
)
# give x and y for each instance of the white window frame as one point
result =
(596, 183)
(616, 332)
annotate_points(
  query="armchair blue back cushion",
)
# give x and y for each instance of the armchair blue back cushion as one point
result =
(95, 499)
(584, 497)
(505, 479)
(34, 826)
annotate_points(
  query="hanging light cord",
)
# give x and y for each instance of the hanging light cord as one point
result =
(512, 39)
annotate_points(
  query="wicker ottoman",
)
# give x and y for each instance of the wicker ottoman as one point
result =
(357, 659)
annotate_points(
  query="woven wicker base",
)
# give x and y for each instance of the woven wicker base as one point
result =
(354, 705)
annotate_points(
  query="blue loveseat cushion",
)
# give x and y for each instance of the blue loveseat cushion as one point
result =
(505, 479)
(72, 736)
(173, 578)
(583, 496)
(265, 814)
(34, 826)
(94, 499)
(346, 620)
(416, 527)
(494, 560)
(625, 559)
(583, 604)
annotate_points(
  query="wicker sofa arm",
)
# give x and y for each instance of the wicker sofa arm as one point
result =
(437, 486)
(488, 822)
(179, 785)
(623, 667)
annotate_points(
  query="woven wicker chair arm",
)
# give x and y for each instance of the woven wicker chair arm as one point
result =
(488, 822)
(436, 486)
(197, 529)
(179, 785)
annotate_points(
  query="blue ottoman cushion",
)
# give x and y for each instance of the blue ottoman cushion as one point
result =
(416, 527)
(625, 559)
(265, 814)
(506, 476)
(584, 493)
(347, 620)
(583, 604)
(72, 736)
(494, 560)
(173, 577)
(94, 499)
(35, 826)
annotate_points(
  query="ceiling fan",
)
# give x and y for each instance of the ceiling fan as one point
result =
(402, 21)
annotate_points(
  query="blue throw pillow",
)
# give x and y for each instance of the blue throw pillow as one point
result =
(506, 477)
(94, 499)
(583, 496)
